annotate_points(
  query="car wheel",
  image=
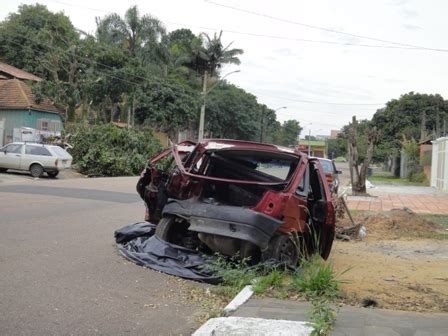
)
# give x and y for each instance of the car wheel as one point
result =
(3, 170)
(53, 174)
(36, 170)
(172, 229)
(283, 249)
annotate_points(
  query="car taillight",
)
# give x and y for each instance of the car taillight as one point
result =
(329, 178)
(56, 162)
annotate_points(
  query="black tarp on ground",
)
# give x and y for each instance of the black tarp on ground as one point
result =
(138, 243)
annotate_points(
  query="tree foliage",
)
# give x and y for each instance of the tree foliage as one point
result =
(106, 150)
(413, 116)
(132, 70)
(290, 132)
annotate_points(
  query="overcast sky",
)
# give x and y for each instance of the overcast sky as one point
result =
(319, 83)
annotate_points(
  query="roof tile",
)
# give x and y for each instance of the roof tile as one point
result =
(10, 71)
(15, 94)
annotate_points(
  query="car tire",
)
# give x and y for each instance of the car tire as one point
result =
(172, 229)
(282, 248)
(3, 170)
(53, 174)
(36, 170)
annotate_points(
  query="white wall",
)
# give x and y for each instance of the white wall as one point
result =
(439, 164)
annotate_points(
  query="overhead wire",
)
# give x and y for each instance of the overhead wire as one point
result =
(145, 78)
(276, 37)
(328, 30)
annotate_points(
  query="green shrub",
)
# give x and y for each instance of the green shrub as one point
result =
(419, 177)
(106, 150)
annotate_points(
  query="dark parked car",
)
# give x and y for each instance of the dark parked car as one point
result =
(236, 197)
(331, 174)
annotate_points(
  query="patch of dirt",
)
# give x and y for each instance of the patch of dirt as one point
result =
(395, 224)
(394, 267)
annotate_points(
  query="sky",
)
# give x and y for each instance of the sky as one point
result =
(361, 54)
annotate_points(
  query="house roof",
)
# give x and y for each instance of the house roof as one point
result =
(15, 94)
(8, 71)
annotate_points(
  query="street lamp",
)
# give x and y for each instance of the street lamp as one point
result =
(204, 95)
(262, 120)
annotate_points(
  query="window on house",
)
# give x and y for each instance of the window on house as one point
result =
(43, 124)
(54, 126)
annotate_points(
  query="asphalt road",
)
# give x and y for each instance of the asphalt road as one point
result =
(61, 273)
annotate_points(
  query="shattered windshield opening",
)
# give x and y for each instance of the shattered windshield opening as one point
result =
(257, 166)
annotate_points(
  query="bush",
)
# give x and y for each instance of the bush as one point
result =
(418, 177)
(106, 150)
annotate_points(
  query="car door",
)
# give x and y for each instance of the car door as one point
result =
(11, 155)
(36, 153)
(296, 211)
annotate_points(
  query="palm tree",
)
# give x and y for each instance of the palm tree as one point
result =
(134, 32)
(217, 55)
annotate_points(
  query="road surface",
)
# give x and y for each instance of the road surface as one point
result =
(60, 270)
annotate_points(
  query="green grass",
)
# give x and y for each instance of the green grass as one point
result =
(441, 220)
(434, 235)
(274, 279)
(314, 281)
(387, 178)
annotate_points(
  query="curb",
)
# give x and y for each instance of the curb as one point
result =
(238, 300)
(234, 325)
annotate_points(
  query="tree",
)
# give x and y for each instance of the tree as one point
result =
(358, 168)
(46, 44)
(413, 115)
(290, 131)
(337, 147)
(232, 113)
(140, 35)
(166, 105)
(32, 36)
(217, 55)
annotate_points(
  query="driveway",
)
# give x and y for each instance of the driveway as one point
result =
(61, 273)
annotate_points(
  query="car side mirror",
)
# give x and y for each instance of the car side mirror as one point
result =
(338, 171)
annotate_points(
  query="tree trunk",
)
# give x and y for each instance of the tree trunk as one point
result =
(358, 174)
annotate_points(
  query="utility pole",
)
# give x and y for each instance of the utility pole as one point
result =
(309, 142)
(133, 111)
(204, 96)
(202, 116)
(261, 123)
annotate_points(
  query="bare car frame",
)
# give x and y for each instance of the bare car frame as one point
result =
(237, 197)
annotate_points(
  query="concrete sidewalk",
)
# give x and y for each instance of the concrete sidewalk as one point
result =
(352, 321)
(430, 204)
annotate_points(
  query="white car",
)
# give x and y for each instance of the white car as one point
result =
(34, 157)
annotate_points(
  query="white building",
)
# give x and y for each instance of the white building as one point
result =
(439, 164)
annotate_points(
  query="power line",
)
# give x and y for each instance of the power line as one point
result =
(323, 102)
(275, 37)
(328, 30)
(85, 58)
(306, 120)
(146, 78)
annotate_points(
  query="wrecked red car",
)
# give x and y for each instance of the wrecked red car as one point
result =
(255, 200)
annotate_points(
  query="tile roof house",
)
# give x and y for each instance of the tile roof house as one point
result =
(18, 109)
